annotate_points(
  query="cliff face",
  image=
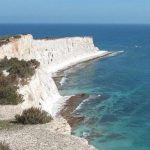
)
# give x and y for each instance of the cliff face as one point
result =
(53, 55)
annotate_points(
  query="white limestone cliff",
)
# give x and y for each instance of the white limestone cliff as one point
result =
(53, 54)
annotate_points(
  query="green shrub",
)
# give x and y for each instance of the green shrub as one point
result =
(33, 116)
(18, 69)
(9, 96)
(4, 146)
(8, 91)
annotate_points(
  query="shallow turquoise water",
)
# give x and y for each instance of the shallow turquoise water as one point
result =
(119, 119)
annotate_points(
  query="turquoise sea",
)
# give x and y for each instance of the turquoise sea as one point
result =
(117, 114)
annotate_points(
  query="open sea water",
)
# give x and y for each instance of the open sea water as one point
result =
(117, 114)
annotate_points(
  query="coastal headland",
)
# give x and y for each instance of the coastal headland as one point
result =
(53, 54)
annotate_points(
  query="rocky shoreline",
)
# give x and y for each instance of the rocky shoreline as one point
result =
(70, 106)
(55, 135)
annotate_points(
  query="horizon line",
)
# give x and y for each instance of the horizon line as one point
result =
(48, 23)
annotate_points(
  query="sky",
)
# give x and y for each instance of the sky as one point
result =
(75, 11)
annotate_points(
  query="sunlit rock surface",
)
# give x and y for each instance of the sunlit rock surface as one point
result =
(53, 54)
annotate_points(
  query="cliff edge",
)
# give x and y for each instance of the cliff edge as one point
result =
(53, 54)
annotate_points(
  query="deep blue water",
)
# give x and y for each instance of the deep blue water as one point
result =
(119, 119)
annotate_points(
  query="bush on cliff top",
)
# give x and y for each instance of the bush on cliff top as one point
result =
(20, 68)
(8, 91)
(9, 95)
(17, 69)
(6, 39)
(33, 116)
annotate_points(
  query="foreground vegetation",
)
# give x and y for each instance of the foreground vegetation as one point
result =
(7, 124)
(33, 116)
(19, 71)
(4, 146)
